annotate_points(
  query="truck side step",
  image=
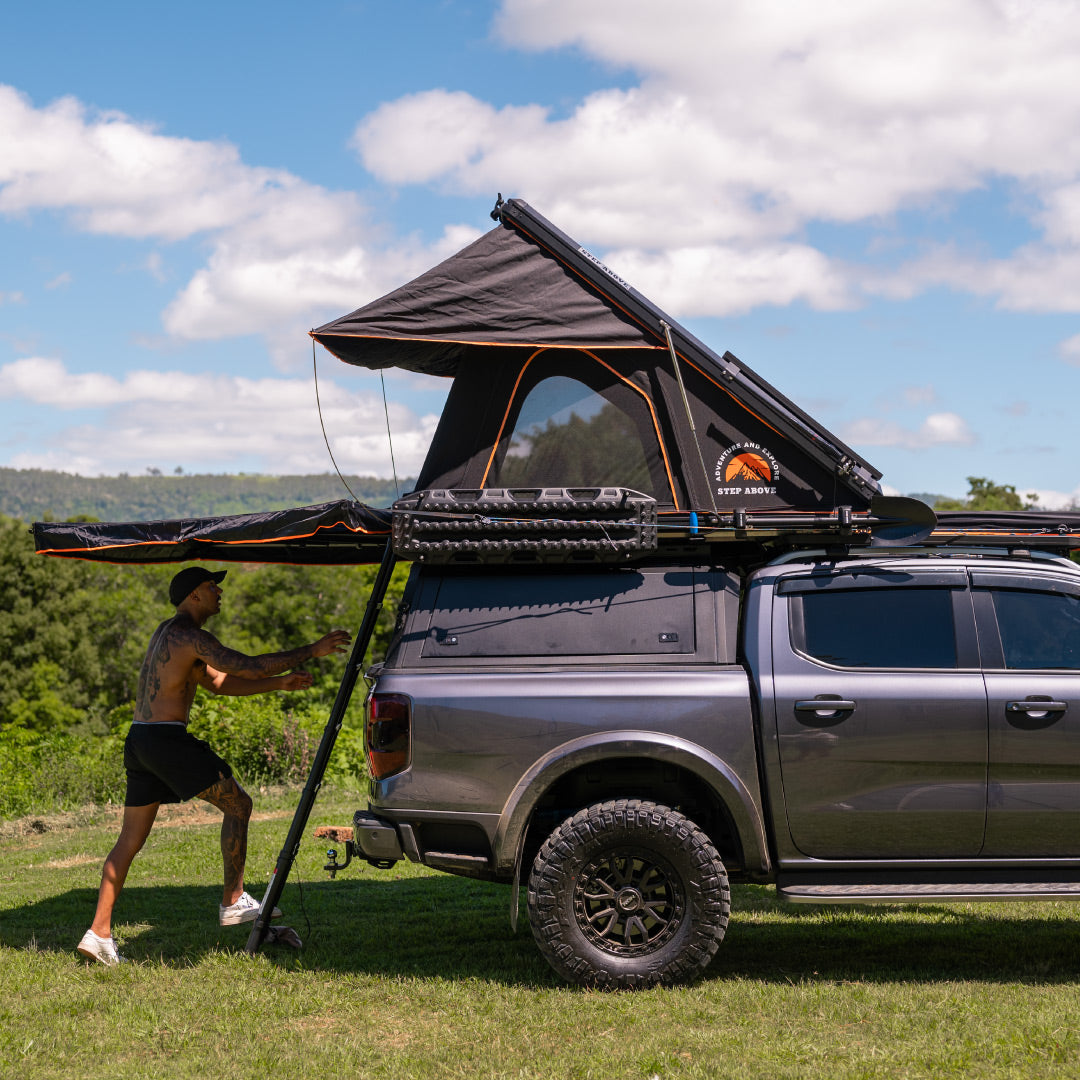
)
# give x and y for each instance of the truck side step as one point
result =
(924, 892)
(445, 860)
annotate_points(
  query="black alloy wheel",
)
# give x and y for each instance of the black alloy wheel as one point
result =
(628, 894)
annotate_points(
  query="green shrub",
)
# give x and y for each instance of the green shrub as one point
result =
(267, 739)
(264, 738)
(49, 771)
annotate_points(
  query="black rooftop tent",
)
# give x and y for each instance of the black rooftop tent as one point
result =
(565, 375)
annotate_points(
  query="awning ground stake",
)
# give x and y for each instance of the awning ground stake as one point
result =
(322, 755)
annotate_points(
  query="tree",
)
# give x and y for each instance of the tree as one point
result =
(72, 632)
(984, 494)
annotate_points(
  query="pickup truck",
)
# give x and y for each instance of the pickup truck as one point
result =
(852, 726)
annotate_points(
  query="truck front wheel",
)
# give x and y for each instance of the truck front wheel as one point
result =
(628, 894)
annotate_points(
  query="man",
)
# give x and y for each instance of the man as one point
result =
(165, 763)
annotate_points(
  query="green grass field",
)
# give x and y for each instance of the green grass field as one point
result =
(407, 973)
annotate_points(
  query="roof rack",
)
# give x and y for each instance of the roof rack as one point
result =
(612, 524)
(549, 525)
(1057, 532)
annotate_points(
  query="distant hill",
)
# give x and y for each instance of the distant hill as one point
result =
(40, 495)
(928, 498)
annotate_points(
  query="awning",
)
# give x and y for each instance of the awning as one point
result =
(330, 534)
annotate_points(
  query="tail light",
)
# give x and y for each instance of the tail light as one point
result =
(388, 734)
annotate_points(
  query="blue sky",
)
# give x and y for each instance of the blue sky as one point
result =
(876, 206)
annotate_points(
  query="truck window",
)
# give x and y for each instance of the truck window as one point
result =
(1038, 629)
(876, 628)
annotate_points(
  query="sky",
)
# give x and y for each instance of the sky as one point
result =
(874, 205)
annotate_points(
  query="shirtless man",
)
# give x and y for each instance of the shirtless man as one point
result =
(165, 763)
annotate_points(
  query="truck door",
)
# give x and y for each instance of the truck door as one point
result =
(880, 714)
(1029, 630)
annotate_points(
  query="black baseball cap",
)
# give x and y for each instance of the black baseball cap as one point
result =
(188, 580)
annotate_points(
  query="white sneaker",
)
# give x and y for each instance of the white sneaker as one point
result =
(246, 909)
(100, 948)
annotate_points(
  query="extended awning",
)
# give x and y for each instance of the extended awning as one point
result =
(330, 534)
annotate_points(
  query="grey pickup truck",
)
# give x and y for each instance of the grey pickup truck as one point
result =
(852, 726)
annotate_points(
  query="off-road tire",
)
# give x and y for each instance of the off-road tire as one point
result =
(628, 894)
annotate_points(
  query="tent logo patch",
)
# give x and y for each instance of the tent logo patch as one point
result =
(746, 468)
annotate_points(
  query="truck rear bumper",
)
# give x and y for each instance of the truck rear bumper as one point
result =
(376, 840)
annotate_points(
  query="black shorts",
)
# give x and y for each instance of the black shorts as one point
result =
(166, 764)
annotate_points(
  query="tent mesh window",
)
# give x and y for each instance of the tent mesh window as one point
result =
(569, 435)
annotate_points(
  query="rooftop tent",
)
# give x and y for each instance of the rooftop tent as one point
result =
(563, 375)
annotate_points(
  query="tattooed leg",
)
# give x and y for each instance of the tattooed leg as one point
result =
(235, 803)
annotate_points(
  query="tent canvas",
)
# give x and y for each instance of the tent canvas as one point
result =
(564, 374)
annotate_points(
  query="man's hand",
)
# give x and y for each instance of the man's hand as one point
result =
(295, 680)
(334, 642)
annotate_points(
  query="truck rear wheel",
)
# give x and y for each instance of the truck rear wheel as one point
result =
(628, 894)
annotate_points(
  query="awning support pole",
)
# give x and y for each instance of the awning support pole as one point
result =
(322, 755)
(689, 416)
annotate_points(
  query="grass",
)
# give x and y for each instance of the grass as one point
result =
(407, 973)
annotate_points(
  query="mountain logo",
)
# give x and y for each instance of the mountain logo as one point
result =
(747, 468)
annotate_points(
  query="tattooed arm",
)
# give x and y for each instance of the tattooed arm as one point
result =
(220, 682)
(224, 661)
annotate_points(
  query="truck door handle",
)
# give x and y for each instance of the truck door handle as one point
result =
(825, 709)
(1030, 706)
(1033, 714)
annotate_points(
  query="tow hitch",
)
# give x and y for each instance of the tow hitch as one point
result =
(377, 843)
(338, 835)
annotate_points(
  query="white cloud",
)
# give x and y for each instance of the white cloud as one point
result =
(1034, 278)
(212, 421)
(59, 281)
(1053, 500)
(120, 177)
(284, 253)
(938, 429)
(749, 121)
(254, 286)
(919, 395)
(15, 297)
(1070, 350)
(726, 280)
(754, 118)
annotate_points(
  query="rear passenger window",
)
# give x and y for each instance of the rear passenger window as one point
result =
(1038, 629)
(876, 628)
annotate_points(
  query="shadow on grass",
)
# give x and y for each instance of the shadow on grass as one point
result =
(455, 928)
